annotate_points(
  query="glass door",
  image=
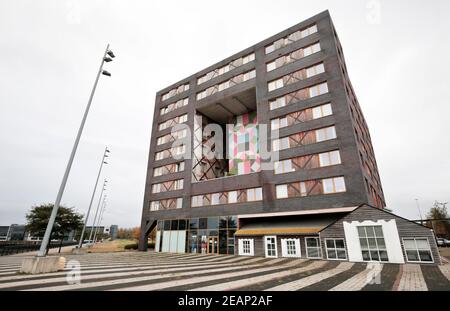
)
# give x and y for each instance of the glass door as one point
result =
(213, 245)
(271, 246)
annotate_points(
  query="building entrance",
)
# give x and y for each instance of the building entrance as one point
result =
(213, 245)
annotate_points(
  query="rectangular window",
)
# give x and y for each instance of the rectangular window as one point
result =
(329, 158)
(322, 111)
(167, 169)
(276, 84)
(215, 198)
(168, 186)
(298, 96)
(280, 144)
(326, 133)
(417, 250)
(271, 66)
(290, 247)
(310, 187)
(166, 204)
(175, 91)
(311, 49)
(301, 116)
(335, 249)
(224, 69)
(313, 247)
(174, 106)
(281, 191)
(171, 122)
(319, 89)
(254, 194)
(248, 58)
(171, 137)
(315, 70)
(373, 246)
(227, 84)
(245, 247)
(300, 34)
(333, 185)
(297, 76)
(292, 57)
(284, 166)
(277, 103)
(232, 196)
(197, 201)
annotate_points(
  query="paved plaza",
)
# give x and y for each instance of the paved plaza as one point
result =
(136, 271)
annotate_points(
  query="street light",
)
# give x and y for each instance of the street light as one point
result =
(98, 206)
(100, 218)
(105, 155)
(46, 239)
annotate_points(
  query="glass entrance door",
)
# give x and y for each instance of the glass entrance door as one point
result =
(213, 245)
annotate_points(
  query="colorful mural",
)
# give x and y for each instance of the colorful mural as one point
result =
(243, 148)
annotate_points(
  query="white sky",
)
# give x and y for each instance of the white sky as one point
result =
(49, 55)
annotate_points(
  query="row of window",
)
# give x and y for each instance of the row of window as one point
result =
(373, 246)
(229, 197)
(310, 187)
(301, 116)
(290, 247)
(232, 65)
(173, 106)
(300, 34)
(176, 91)
(372, 243)
(293, 56)
(299, 95)
(168, 169)
(168, 153)
(307, 162)
(227, 84)
(298, 75)
(171, 122)
(171, 137)
(205, 223)
(166, 204)
(304, 138)
(170, 185)
(295, 189)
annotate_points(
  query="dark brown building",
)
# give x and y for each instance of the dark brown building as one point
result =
(292, 88)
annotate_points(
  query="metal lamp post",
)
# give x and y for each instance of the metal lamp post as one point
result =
(107, 57)
(100, 218)
(105, 155)
(96, 212)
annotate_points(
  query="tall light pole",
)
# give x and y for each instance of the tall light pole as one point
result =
(46, 239)
(100, 218)
(105, 155)
(98, 206)
(420, 213)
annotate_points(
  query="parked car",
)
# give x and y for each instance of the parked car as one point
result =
(443, 242)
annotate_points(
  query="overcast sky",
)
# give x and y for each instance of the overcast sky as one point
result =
(397, 57)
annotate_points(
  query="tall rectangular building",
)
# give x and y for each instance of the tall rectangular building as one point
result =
(255, 155)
